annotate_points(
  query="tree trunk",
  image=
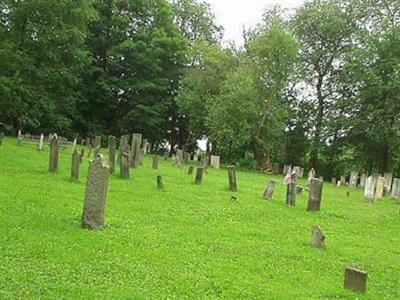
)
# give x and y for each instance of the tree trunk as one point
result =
(262, 157)
(318, 125)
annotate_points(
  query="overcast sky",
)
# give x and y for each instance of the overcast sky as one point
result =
(234, 14)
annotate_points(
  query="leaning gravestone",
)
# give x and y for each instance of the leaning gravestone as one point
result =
(96, 194)
(355, 280)
(317, 238)
(215, 161)
(124, 165)
(40, 145)
(353, 179)
(232, 178)
(315, 195)
(269, 190)
(156, 162)
(311, 174)
(199, 176)
(135, 150)
(112, 141)
(380, 187)
(395, 189)
(369, 189)
(291, 193)
(388, 182)
(1, 138)
(54, 151)
(76, 160)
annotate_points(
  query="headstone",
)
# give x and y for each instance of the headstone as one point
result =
(166, 155)
(159, 183)
(97, 150)
(297, 170)
(124, 165)
(1, 138)
(97, 141)
(291, 192)
(76, 161)
(54, 151)
(363, 178)
(89, 151)
(179, 157)
(19, 138)
(112, 141)
(206, 161)
(311, 174)
(269, 190)
(343, 180)
(96, 194)
(388, 182)
(395, 189)
(145, 144)
(355, 280)
(334, 180)
(287, 169)
(199, 176)
(317, 238)
(380, 187)
(74, 145)
(232, 178)
(301, 173)
(156, 162)
(135, 150)
(315, 195)
(369, 189)
(214, 161)
(190, 170)
(41, 140)
(353, 179)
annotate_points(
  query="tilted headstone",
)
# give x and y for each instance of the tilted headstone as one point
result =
(159, 183)
(380, 188)
(363, 178)
(269, 190)
(135, 150)
(388, 182)
(315, 195)
(311, 174)
(124, 165)
(334, 181)
(317, 237)
(1, 138)
(214, 163)
(369, 189)
(41, 140)
(395, 188)
(75, 163)
(156, 162)
(291, 192)
(54, 152)
(96, 194)
(353, 179)
(232, 178)
(190, 170)
(112, 141)
(199, 176)
(355, 280)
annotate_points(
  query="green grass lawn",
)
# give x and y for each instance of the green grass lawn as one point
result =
(185, 242)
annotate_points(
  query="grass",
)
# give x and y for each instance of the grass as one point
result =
(185, 242)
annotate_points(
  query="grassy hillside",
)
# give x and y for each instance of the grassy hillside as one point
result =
(187, 241)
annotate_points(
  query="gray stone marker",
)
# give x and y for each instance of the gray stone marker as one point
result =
(380, 187)
(112, 141)
(190, 170)
(317, 237)
(97, 141)
(75, 163)
(156, 162)
(287, 169)
(206, 161)
(311, 174)
(355, 280)
(301, 173)
(54, 151)
(19, 138)
(124, 165)
(1, 138)
(395, 188)
(363, 178)
(159, 183)
(315, 195)
(334, 180)
(135, 150)
(343, 180)
(232, 178)
(269, 190)
(145, 145)
(369, 189)
(388, 182)
(291, 192)
(41, 140)
(297, 170)
(353, 179)
(199, 176)
(96, 194)
(215, 160)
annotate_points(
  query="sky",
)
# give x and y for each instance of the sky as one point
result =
(234, 14)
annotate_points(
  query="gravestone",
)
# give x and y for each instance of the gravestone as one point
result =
(179, 157)
(135, 150)
(363, 178)
(353, 179)
(1, 138)
(206, 161)
(395, 189)
(97, 141)
(380, 187)
(291, 192)
(145, 145)
(166, 155)
(287, 169)
(19, 138)
(199, 176)
(355, 280)
(315, 195)
(333, 180)
(215, 161)
(317, 238)
(97, 150)
(74, 145)
(190, 170)
(159, 183)
(54, 152)
(297, 170)
(96, 194)
(156, 162)
(301, 173)
(124, 165)
(343, 180)
(269, 190)
(232, 178)
(369, 189)
(112, 141)
(76, 161)
(40, 146)
(311, 174)
(388, 182)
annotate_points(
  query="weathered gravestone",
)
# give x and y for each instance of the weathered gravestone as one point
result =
(363, 178)
(1, 138)
(143, 150)
(334, 181)
(190, 170)
(179, 157)
(54, 152)
(75, 163)
(395, 189)
(232, 178)
(380, 187)
(135, 150)
(353, 179)
(311, 174)
(297, 170)
(206, 161)
(41, 140)
(388, 182)
(214, 163)
(287, 169)
(315, 195)
(124, 165)
(291, 192)
(74, 145)
(301, 173)
(317, 237)
(159, 183)
(369, 189)
(145, 145)
(199, 176)
(156, 162)
(97, 141)
(19, 138)
(96, 194)
(355, 280)
(112, 141)
(343, 180)
(269, 190)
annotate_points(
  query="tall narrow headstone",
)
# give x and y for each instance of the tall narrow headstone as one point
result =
(179, 157)
(19, 138)
(76, 160)
(269, 190)
(135, 150)
(232, 178)
(199, 176)
(311, 174)
(315, 195)
(369, 189)
(214, 161)
(317, 237)
(355, 280)
(395, 189)
(40, 145)
(388, 182)
(74, 145)
(96, 194)
(112, 141)
(54, 151)
(363, 178)
(206, 161)
(380, 187)
(156, 162)
(353, 179)
(145, 145)
(333, 180)
(124, 165)
(291, 192)
(343, 180)
(97, 141)
(287, 169)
